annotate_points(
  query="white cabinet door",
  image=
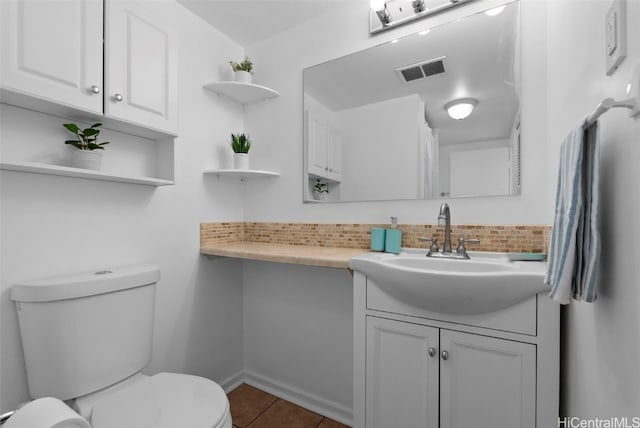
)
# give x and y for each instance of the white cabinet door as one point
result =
(401, 375)
(334, 154)
(140, 66)
(316, 144)
(486, 382)
(53, 50)
(324, 147)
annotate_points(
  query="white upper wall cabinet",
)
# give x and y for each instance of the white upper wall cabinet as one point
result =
(324, 147)
(53, 57)
(53, 50)
(140, 66)
(54, 61)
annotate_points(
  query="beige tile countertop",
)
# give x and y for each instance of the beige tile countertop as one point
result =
(282, 253)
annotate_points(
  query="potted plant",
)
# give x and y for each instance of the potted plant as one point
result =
(320, 191)
(242, 71)
(89, 153)
(240, 144)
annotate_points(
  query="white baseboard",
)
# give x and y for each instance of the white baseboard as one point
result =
(320, 405)
(232, 382)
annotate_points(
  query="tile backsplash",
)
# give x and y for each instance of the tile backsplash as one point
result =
(501, 238)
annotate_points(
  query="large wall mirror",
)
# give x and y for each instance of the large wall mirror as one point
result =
(376, 124)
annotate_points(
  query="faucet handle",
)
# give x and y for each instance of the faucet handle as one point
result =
(434, 243)
(461, 241)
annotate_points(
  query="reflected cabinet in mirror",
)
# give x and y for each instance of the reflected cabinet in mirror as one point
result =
(433, 114)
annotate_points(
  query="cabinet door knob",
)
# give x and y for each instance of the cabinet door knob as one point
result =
(95, 89)
(445, 355)
(432, 352)
(118, 97)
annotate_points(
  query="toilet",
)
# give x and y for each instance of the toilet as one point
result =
(86, 337)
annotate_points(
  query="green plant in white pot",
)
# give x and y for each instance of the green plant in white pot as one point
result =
(89, 153)
(320, 191)
(240, 144)
(242, 71)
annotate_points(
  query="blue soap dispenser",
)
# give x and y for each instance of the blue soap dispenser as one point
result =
(393, 237)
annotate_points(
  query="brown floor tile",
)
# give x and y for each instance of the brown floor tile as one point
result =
(330, 423)
(283, 414)
(247, 403)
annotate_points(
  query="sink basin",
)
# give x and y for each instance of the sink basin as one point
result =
(448, 265)
(487, 282)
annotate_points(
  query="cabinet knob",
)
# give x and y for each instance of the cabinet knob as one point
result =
(95, 89)
(432, 352)
(118, 97)
(445, 355)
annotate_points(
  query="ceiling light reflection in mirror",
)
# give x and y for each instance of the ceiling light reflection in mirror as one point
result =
(376, 125)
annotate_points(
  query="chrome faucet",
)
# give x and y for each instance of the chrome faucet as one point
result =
(444, 219)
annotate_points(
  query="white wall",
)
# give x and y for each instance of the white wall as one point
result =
(298, 334)
(601, 341)
(444, 158)
(369, 141)
(57, 225)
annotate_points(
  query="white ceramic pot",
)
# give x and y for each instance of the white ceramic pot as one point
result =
(87, 159)
(240, 161)
(242, 76)
(320, 196)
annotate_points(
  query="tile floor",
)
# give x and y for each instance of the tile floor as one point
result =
(253, 408)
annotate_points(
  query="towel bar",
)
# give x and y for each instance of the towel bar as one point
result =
(632, 103)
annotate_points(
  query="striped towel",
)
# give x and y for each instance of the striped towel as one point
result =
(575, 242)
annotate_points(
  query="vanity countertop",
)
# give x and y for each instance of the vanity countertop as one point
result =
(282, 253)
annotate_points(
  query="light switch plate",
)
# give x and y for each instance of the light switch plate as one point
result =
(616, 35)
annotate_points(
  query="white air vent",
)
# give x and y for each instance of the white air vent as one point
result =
(421, 70)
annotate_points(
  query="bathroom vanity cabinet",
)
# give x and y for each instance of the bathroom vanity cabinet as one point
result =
(88, 61)
(418, 368)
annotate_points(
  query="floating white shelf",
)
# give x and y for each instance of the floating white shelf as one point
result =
(41, 168)
(243, 93)
(242, 174)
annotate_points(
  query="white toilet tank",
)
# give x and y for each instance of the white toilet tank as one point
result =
(84, 332)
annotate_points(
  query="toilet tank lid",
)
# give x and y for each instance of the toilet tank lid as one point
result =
(85, 284)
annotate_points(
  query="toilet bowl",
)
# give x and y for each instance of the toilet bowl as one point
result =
(86, 337)
(164, 400)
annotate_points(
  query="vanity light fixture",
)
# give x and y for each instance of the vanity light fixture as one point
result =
(386, 14)
(461, 108)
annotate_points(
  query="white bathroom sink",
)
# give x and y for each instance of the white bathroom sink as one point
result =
(485, 283)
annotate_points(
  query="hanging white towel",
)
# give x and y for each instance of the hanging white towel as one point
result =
(575, 242)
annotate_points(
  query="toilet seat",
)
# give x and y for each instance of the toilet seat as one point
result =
(164, 400)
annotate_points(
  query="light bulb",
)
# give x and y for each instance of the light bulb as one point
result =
(494, 11)
(377, 5)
